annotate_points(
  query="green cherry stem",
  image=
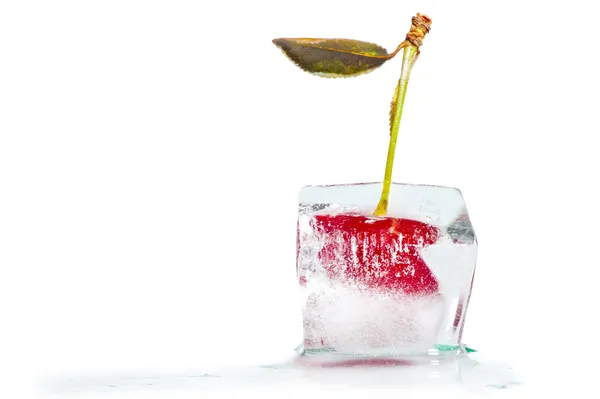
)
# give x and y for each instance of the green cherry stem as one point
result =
(408, 58)
(414, 39)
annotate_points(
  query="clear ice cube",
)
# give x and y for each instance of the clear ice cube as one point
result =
(397, 285)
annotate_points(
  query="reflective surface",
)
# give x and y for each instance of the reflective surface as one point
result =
(303, 375)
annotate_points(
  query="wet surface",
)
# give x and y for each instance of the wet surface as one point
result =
(304, 373)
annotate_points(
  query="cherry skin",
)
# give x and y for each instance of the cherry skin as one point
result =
(377, 253)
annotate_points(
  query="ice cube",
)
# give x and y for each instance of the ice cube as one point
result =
(393, 285)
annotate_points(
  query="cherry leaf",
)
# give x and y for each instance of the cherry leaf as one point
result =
(334, 57)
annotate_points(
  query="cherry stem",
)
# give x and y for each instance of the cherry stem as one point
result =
(410, 54)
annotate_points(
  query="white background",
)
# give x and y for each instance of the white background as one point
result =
(151, 154)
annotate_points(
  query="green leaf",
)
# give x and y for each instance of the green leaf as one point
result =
(334, 57)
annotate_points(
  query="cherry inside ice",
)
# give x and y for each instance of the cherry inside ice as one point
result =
(378, 253)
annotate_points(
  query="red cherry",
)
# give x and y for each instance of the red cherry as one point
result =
(377, 253)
